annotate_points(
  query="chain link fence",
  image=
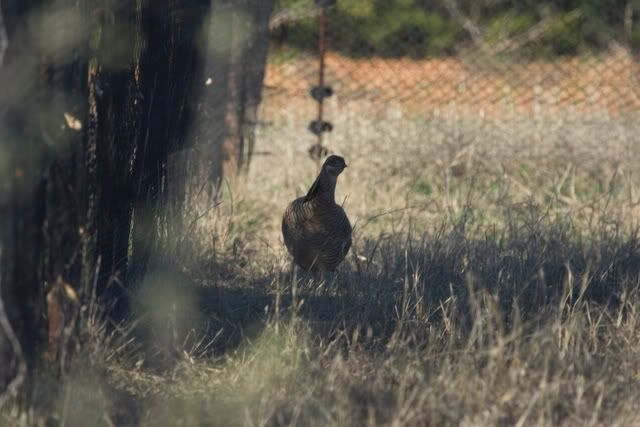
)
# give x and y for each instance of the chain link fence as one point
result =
(459, 83)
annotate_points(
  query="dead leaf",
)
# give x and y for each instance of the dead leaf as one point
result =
(70, 292)
(72, 122)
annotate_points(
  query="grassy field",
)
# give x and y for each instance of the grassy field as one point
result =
(494, 280)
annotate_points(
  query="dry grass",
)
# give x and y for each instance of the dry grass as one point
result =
(494, 280)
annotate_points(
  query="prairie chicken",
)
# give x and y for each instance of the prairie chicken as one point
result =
(316, 230)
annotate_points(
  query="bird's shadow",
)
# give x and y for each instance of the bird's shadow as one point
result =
(397, 284)
(221, 316)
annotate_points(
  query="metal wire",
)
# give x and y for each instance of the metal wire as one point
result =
(321, 53)
(510, 88)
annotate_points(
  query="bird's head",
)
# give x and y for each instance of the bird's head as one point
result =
(334, 165)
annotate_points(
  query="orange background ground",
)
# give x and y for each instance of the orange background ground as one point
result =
(608, 84)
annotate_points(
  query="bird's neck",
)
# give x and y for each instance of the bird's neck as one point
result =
(323, 189)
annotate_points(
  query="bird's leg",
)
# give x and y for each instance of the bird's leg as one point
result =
(294, 282)
(293, 271)
(332, 277)
(321, 282)
(327, 280)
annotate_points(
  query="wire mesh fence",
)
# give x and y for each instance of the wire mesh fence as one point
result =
(480, 80)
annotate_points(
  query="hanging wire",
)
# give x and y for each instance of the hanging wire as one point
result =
(321, 52)
(320, 92)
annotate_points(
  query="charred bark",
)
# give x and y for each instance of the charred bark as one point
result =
(87, 128)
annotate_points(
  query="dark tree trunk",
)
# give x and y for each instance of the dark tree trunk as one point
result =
(97, 99)
(236, 40)
(40, 210)
(237, 65)
(255, 60)
(87, 129)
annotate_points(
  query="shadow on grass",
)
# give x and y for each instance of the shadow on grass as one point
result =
(437, 298)
(398, 283)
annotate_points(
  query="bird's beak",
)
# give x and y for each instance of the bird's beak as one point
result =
(345, 165)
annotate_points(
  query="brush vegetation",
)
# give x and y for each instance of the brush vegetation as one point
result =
(422, 28)
(493, 286)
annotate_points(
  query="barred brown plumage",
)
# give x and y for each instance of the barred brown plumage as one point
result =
(316, 231)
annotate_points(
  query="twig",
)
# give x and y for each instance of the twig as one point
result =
(5, 324)
(534, 33)
(474, 32)
(17, 382)
(508, 44)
